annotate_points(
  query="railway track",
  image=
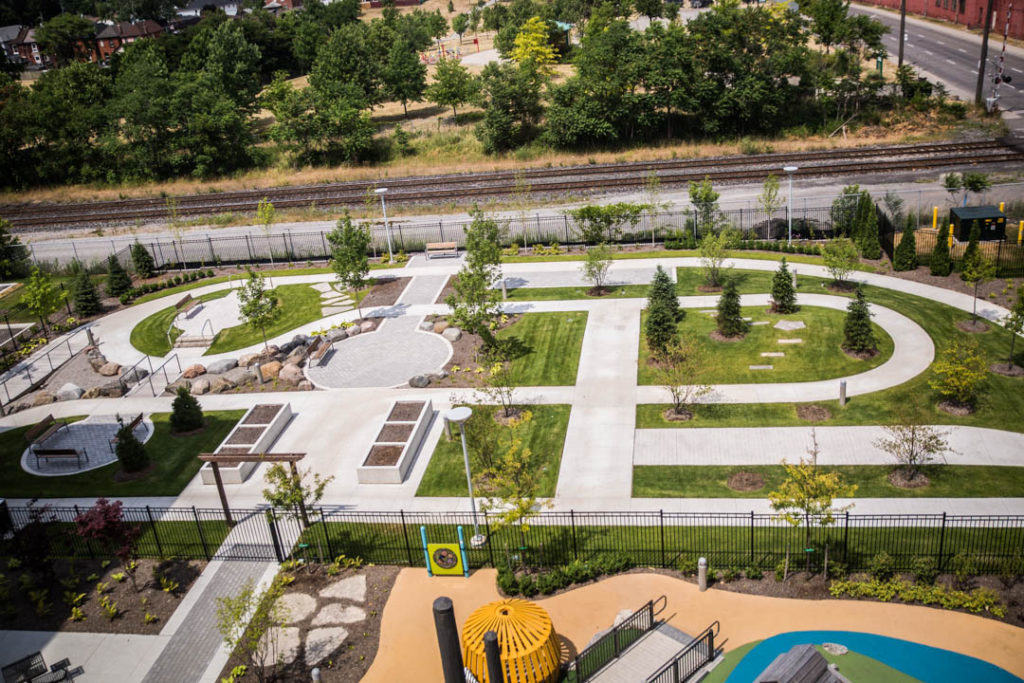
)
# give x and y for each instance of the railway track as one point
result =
(541, 181)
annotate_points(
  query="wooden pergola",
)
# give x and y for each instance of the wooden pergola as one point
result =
(218, 459)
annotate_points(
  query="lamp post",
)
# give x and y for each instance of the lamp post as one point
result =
(460, 416)
(381, 191)
(790, 170)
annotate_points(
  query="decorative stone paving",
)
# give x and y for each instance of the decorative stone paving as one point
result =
(335, 613)
(321, 642)
(92, 435)
(353, 588)
(332, 301)
(298, 606)
(789, 325)
(759, 322)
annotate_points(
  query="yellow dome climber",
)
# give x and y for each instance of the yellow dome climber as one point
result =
(529, 647)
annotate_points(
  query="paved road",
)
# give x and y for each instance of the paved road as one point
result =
(951, 55)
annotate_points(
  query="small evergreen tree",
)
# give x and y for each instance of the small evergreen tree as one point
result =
(84, 297)
(940, 263)
(143, 261)
(663, 290)
(131, 453)
(867, 228)
(186, 413)
(858, 337)
(660, 327)
(118, 280)
(905, 256)
(783, 293)
(730, 319)
(14, 261)
(972, 254)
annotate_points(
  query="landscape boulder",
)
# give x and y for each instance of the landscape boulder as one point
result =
(452, 334)
(70, 392)
(337, 334)
(291, 374)
(219, 384)
(219, 367)
(297, 355)
(305, 385)
(354, 330)
(173, 387)
(42, 398)
(92, 392)
(367, 326)
(109, 369)
(201, 386)
(239, 375)
(97, 361)
(112, 390)
(135, 375)
(419, 381)
(427, 326)
(193, 371)
(269, 370)
(287, 348)
(440, 326)
(249, 359)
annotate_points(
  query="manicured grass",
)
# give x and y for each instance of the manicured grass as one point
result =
(13, 305)
(818, 357)
(857, 667)
(171, 291)
(300, 304)
(681, 253)
(709, 481)
(1000, 408)
(554, 341)
(544, 436)
(150, 335)
(565, 293)
(729, 661)
(174, 457)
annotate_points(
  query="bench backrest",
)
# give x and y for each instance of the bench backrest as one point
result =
(39, 428)
(135, 422)
(441, 246)
(55, 452)
(185, 301)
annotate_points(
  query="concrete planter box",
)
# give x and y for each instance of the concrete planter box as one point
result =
(253, 434)
(397, 453)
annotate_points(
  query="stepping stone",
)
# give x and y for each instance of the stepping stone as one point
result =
(772, 354)
(331, 310)
(759, 322)
(287, 640)
(298, 606)
(790, 325)
(322, 286)
(791, 341)
(321, 642)
(709, 311)
(353, 588)
(748, 319)
(335, 613)
(761, 367)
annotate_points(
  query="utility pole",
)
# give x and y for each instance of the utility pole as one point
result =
(903, 29)
(984, 54)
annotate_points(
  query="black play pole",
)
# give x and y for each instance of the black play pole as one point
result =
(493, 653)
(448, 641)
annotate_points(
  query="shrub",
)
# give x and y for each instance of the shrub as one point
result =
(881, 566)
(84, 297)
(964, 570)
(730, 574)
(754, 573)
(837, 570)
(578, 571)
(925, 570)
(780, 571)
(527, 586)
(858, 336)
(186, 413)
(940, 263)
(783, 293)
(978, 600)
(209, 272)
(961, 371)
(687, 565)
(118, 280)
(131, 453)
(730, 318)
(143, 261)
(905, 256)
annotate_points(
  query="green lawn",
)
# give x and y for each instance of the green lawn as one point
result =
(544, 436)
(14, 307)
(150, 335)
(681, 253)
(300, 304)
(709, 481)
(854, 666)
(175, 459)
(554, 341)
(1000, 408)
(818, 357)
(729, 661)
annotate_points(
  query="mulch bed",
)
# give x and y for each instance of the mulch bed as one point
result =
(18, 611)
(709, 288)
(813, 413)
(233, 450)
(1007, 370)
(991, 291)
(860, 355)
(445, 291)
(899, 479)
(383, 455)
(386, 292)
(954, 408)
(465, 352)
(262, 415)
(672, 416)
(718, 336)
(745, 481)
(972, 326)
(394, 433)
(350, 662)
(405, 411)
(246, 435)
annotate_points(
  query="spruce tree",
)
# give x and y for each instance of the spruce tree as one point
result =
(972, 253)
(905, 256)
(940, 263)
(660, 327)
(858, 337)
(118, 280)
(186, 413)
(131, 453)
(867, 228)
(730, 318)
(663, 290)
(143, 261)
(84, 298)
(783, 293)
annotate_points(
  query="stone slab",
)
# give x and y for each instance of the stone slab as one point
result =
(336, 613)
(352, 588)
(791, 341)
(321, 642)
(789, 325)
(761, 367)
(772, 354)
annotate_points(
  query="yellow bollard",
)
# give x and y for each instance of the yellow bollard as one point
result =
(935, 218)
(1002, 206)
(950, 235)
(1020, 233)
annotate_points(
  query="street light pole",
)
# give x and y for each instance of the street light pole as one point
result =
(387, 229)
(903, 30)
(460, 416)
(980, 86)
(790, 170)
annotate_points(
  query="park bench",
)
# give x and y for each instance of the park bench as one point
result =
(131, 427)
(60, 454)
(187, 305)
(43, 430)
(442, 249)
(321, 352)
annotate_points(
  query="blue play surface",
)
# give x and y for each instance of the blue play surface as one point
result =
(928, 664)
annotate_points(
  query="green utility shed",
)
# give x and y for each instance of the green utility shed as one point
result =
(990, 219)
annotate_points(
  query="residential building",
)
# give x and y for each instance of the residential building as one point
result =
(8, 36)
(112, 38)
(970, 13)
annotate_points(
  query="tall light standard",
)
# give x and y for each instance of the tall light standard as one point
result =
(381, 191)
(460, 416)
(790, 170)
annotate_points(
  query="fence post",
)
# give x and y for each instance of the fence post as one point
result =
(323, 241)
(751, 537)
(405, 533)
(273, 535)
(572, 519)
(248, 247)
(327, 536)
(942, 540)
(846, 539)
(440, 230)
(615, 639)
(490, 545)
(401, 237)
(661, 528)
(202, 537)
(565, 221)
(156, 537)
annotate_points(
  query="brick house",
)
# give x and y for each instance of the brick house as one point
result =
(8, 36)
(970, 13)
(28, 49)
(111, 38)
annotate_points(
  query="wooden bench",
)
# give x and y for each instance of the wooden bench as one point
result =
(60, 454)
(442, 249)
(43, 430)
(321, 352)
(186, 305)
(131, 426)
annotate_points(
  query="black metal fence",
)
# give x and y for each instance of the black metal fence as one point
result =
(609, 646)
(691, 659)
(656, 538)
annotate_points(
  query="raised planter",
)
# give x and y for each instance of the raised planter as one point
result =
(253, 434)
(398, 439)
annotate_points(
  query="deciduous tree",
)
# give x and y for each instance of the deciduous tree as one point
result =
(840, 257)
(681, 367)
(41, 296)
(349, 244)
(404, 75)
(960, 372)
(714, 249)
(293, 492)
(104, 523)
(913, 444)
(453, 86)
(595, 267)
(1014, 323)
(259, 307)
(250, 622)
(476, 302)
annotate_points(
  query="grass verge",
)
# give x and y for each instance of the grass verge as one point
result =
(150, 335)
(300, 304)
(553, 341)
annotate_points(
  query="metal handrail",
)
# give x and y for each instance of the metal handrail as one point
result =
(203, 329)
(26, 365)
(162, 368)
(593, 658)
(692, 658)
(134, 368)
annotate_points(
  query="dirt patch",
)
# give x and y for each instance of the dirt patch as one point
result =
(672, 416)
(746, 481)
(391, 433)
(899, 479)
(1002, 291)
(813, 413)
(386, 291)
(461, 367)
(1007, 370)
(405, 411)
(233, 450)
(844, 287)
(860, 355)
(132, 605)
(709, 288)
(972, 326)
(246, 435)
(505, 420)
(599, 291)
(383, 456)
(718, 336)
(262, 415)
(955, 408)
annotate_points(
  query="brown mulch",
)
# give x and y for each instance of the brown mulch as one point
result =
(246, 435)
(813, 413)
(501, 418)
(386, 291)
(445, 291)
(392, 433)
(19, 613)
(233, 450)
(972, 326)
(383, 455)
(672, 416)
(860, 355)
(405, 411)
(899, 479)
(991, 291)
(1007, 370)
(709, 288)
(262, 414)
(350, 662)
(600, 291)
(954, 408)
(718, 336)
(465, 354)
(745, 481)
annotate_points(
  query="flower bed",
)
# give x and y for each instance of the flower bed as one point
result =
(398, 440)
(254, 434)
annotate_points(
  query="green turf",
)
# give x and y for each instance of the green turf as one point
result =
(729, 661)
(858, 668)
(1000, 407)
(150, 335)
(544, 436)
(300, 304)
(709, 481)
(681, 253)
(818, 357)
(13, 306)
(553, 341)
(174, 457)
